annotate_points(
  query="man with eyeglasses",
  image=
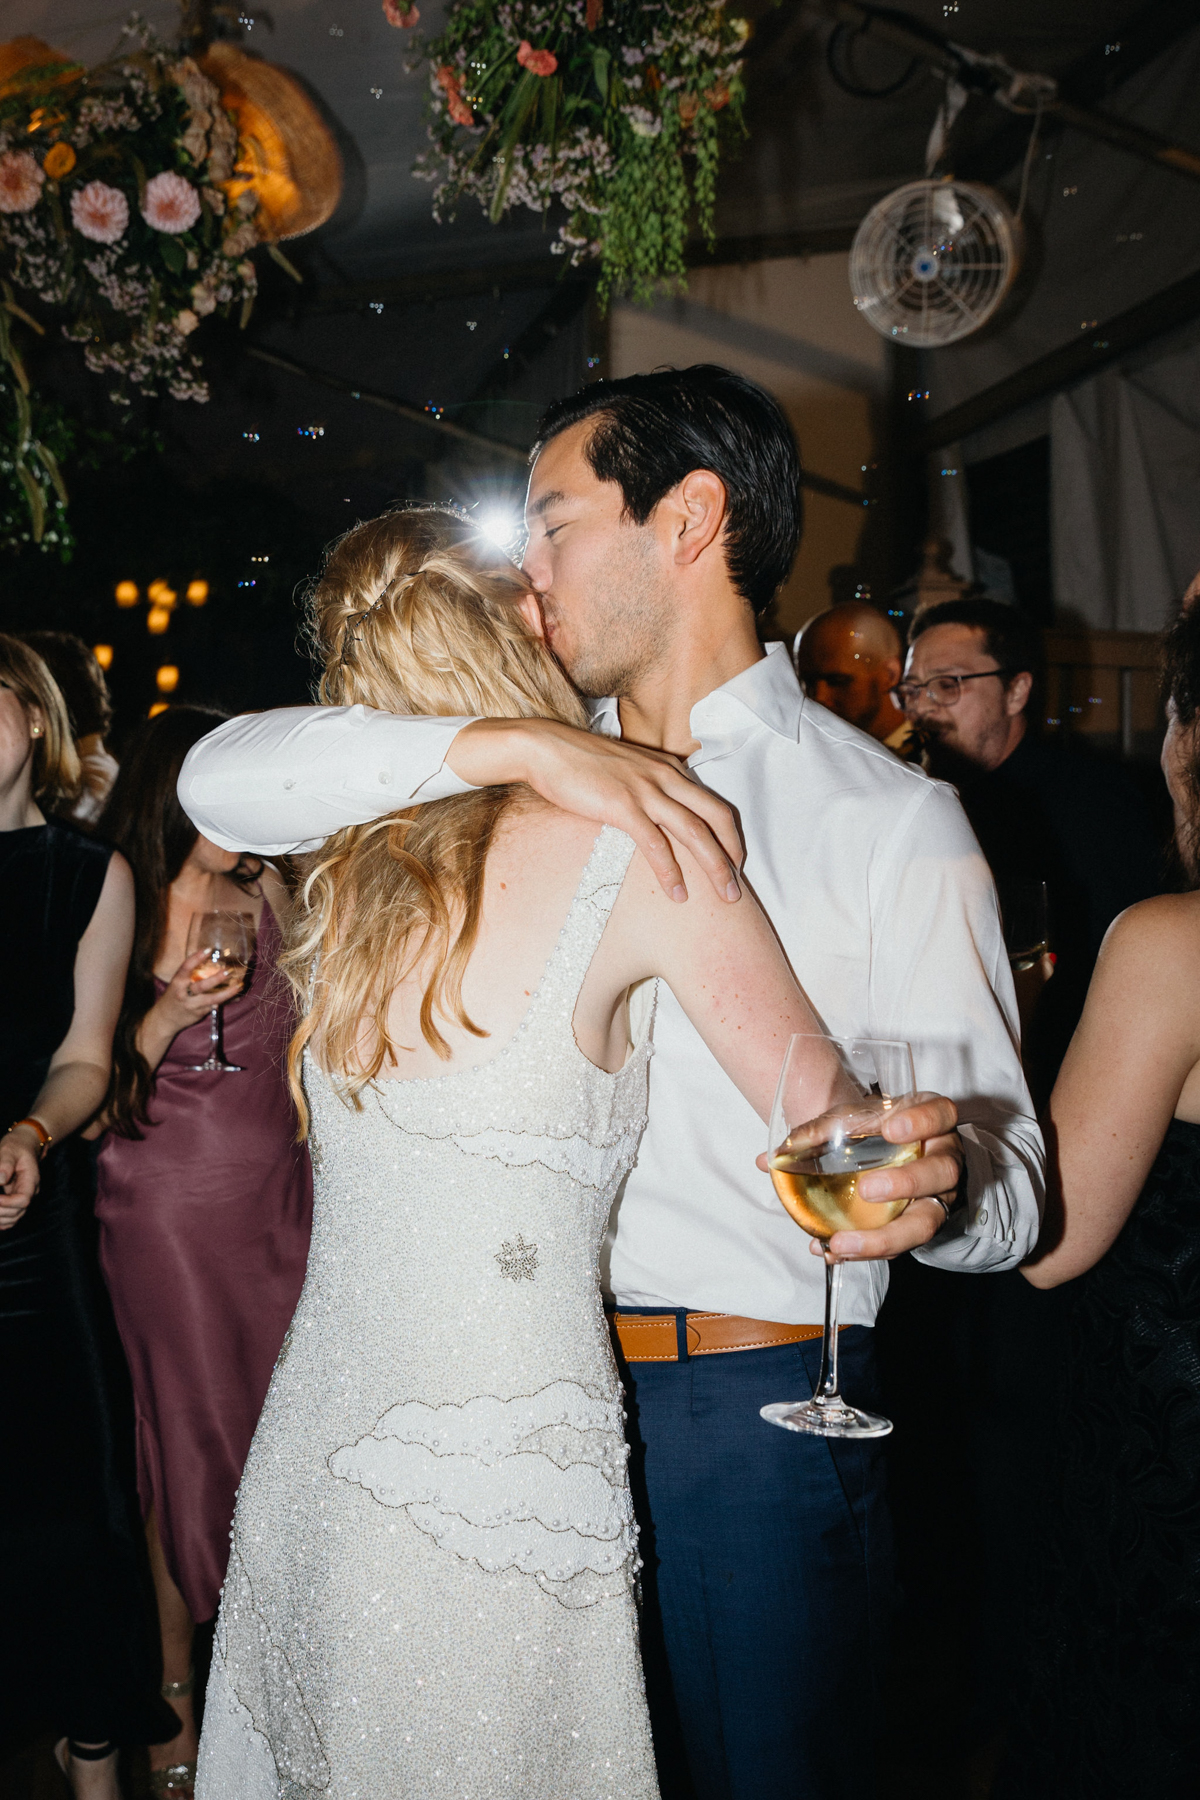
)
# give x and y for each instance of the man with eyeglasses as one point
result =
(1041, 812)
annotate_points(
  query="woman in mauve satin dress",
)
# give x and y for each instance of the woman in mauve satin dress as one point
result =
(204, 1197)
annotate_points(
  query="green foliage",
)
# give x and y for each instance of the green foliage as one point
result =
(618, 112)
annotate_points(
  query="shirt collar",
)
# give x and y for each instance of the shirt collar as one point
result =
(767, 693)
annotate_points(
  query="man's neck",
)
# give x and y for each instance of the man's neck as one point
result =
(657, 712)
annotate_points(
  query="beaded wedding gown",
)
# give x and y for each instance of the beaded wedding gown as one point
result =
(430, 1590)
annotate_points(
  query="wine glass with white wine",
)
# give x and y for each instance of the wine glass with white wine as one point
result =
(227, 939)
(816, 1162)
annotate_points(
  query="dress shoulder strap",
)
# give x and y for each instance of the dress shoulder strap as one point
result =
(584, 924)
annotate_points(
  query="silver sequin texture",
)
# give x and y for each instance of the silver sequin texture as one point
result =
(431, 1583)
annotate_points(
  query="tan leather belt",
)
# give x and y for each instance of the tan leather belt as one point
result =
(653, 1337)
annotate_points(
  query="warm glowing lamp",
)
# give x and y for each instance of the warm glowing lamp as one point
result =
(157, 619)
(159, 706)
(103, 655)
(166, 679)
(197, 593)
(156, 588)
(287, 157)
(127, 593)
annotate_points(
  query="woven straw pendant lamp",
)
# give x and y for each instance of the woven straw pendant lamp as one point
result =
(286, 152)
(22, 53)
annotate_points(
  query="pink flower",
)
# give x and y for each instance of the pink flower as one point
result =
(538, 62)
(171, 203)
(405, 16)
(20, 182)
(100, 212)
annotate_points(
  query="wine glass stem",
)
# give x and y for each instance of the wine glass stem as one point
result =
(827, 1380)
(214, 1030)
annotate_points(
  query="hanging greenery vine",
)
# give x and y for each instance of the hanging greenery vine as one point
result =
(617, 110)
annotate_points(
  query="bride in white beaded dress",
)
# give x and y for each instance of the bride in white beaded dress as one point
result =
(432, 1583)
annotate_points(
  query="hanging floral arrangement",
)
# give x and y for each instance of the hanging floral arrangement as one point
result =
(618, 111)
(113, 210)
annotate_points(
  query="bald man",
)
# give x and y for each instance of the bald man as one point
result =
(849, 660)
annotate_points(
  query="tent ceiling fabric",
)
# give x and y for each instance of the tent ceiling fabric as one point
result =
(817, 157)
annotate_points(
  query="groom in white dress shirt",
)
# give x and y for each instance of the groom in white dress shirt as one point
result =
(663, 514)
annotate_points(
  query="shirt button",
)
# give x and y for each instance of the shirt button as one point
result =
(289, 783)
(983, 1215)
(384, 777)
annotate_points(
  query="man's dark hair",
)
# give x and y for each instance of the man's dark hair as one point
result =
(1009, 635)
(79, 676)
(652, 430)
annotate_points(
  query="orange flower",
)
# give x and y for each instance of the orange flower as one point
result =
(718, 96)
(58, 161)
(538, 62)
(449, 79)
(403, 16)
(689, 106)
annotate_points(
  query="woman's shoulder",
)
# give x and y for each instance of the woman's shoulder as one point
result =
(535, 826)
(1152, 951)
(1165, 921)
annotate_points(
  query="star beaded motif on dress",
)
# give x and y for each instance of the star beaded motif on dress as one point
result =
(517, 1261)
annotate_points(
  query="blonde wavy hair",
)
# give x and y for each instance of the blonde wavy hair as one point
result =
(414, 613)
(56, 771)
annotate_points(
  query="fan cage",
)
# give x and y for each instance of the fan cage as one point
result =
(933, 260)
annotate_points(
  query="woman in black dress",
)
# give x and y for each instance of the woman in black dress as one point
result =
(1115, 1655)
(77, 1647)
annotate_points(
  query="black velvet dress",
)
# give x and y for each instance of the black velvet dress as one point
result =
(78, 1640)
(1114, 1667)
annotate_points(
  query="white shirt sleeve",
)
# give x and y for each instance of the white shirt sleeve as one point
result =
(940, 978)
(281, 781)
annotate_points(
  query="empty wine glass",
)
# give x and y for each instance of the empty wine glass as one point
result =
(815, 1163)
(227, 939)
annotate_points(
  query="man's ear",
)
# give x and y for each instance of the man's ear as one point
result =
(1016, 697)
(530, 609)
(700, 507)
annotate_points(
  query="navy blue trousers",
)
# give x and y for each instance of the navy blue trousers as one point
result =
(767, 1579)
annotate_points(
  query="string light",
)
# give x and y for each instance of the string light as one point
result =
(197, 593)
(159, 706)
(166, 679)
(157, 620)
(103, 654)
(126, 593)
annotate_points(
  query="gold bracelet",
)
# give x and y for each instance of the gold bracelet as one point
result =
(45, 1138)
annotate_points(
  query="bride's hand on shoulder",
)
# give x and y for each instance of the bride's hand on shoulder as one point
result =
(673, 821)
